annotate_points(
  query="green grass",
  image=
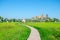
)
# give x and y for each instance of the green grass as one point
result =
(13, 31)
(47, 30)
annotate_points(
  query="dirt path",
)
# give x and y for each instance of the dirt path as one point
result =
(34, 35)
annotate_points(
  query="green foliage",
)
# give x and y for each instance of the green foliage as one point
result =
(48, 30)
(1, 19)
(55, 20)
(13, 31)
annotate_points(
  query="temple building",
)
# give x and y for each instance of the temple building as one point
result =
(40, 18)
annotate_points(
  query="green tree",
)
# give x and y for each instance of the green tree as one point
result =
(14, 20)
(19, 20)
(6, 19)
(55, 20)
(1, 19)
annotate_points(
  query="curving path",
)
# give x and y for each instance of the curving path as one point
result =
(34, 35)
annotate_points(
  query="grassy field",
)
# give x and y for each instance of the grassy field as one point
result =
(13, 31)
(47, 30)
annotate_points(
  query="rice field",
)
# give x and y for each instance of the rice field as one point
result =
(47, 30)
(13, 31)
(18, 31)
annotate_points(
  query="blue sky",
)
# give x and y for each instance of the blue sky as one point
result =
(29, 8)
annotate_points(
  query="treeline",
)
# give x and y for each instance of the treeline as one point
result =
(52, 20)
(46, 20)
(29, 20)
(9, 20)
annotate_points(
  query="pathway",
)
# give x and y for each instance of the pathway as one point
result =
(34, 35)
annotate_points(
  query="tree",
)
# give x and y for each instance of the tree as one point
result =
(19, 20)
(6, 19)
(1, 19)
(28, 20)
(14, 20)
(55, 20)
(48, 20)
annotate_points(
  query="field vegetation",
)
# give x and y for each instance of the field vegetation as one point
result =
(47, 30)
(13, 31)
